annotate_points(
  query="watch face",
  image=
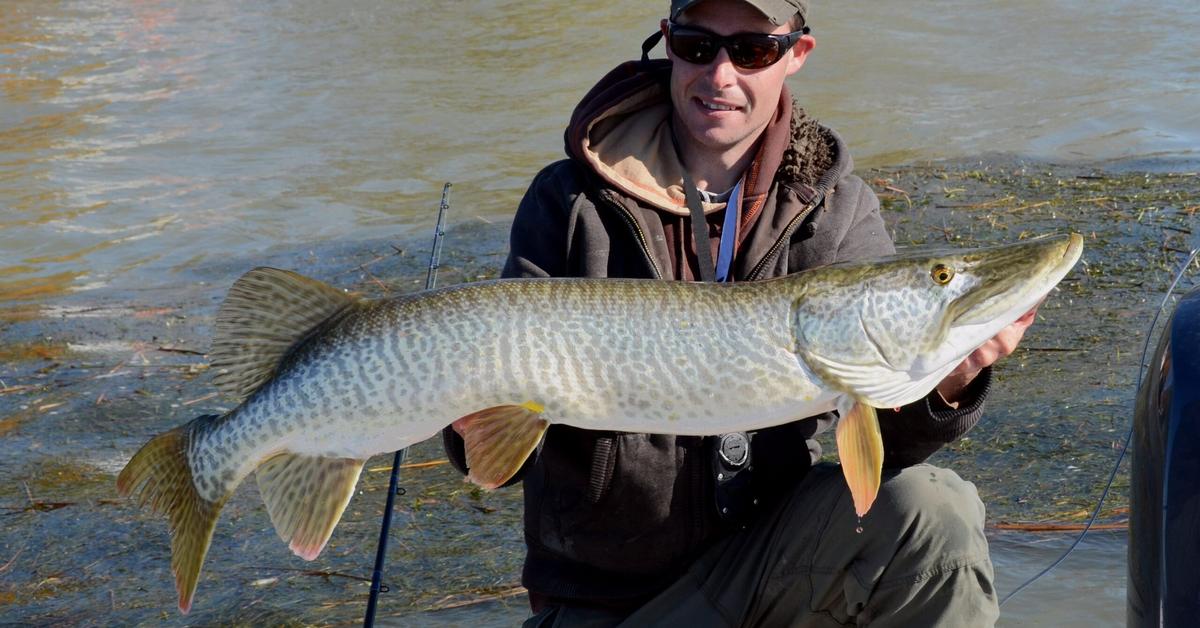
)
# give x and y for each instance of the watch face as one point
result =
(735, 449)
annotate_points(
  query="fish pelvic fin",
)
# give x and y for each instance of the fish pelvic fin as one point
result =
(159, 474)
(860, 447)
(498, 440)
(305, 496)
(266, 314)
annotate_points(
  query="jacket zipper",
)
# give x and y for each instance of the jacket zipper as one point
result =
(637, 231)
(773, 252)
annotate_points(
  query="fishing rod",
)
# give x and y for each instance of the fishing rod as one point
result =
(1128, 434)
(377, 587)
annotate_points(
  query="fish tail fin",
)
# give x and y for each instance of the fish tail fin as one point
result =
(159, 474)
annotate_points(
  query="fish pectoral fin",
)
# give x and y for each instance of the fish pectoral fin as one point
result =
(499, 439)
(860, 447)
(305, 496)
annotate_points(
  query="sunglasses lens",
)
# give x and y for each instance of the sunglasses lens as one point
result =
(746, 51)
(693, 46)
(753, 51)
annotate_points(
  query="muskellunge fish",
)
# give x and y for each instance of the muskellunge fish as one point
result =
(327, 379)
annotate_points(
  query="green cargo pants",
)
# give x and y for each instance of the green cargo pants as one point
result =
(921, 559)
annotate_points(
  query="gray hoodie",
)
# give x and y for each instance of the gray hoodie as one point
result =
(613, 518)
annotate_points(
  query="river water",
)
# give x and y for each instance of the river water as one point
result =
(139, 138)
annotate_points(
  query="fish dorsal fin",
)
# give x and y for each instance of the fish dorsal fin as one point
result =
(266, 313)
(305, 496)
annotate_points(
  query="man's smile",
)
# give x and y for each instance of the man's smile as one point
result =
(716, 105)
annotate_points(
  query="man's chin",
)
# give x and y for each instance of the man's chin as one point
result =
(718, 137)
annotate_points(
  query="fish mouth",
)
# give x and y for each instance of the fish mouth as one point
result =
(1015, 278)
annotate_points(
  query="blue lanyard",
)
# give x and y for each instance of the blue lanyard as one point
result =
(729, 232)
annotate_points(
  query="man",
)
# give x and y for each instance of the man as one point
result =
(707, 147)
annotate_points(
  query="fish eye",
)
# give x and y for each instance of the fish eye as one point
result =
(941, 274)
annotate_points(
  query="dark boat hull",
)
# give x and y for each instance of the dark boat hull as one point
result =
(1164, 526)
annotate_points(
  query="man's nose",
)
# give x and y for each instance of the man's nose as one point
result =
(721, 70)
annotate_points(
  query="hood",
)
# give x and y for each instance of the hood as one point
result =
(622, 131)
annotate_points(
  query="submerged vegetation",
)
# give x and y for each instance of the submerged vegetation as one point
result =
(84, 382)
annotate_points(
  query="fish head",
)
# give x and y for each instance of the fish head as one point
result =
(887, 331)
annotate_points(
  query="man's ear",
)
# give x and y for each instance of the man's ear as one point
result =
(800, 51)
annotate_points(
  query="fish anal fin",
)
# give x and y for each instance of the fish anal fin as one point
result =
(159, 474)
(305, 496)
(860, 448)
(265, 314)
(498, 441)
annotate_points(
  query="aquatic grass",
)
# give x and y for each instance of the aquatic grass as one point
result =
(1038, 457)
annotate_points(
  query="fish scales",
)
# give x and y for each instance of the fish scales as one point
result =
(650, 343)
(327, 380)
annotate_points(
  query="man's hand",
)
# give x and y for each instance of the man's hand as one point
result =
(951, 388)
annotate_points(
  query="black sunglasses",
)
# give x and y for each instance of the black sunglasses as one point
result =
(746, 50)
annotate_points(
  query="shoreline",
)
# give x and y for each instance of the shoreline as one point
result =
(328, 253)
(86, 378)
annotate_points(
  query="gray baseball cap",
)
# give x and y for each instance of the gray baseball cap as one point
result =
(778, 11)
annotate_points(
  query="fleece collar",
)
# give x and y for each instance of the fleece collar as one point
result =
(622, 130)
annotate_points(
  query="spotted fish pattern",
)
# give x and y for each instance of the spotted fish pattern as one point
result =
(334, 379)
(616, 355)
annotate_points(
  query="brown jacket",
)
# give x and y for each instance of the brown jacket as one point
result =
(613, 518)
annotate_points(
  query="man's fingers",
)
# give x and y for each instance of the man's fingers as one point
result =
(1000, 346)
(1027, 318)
